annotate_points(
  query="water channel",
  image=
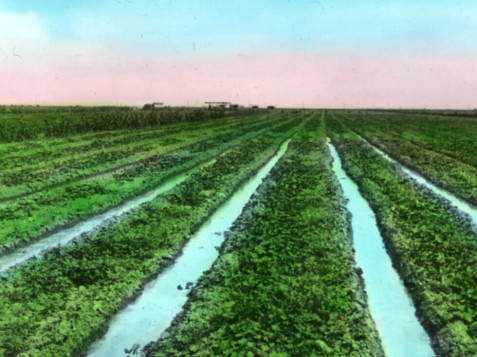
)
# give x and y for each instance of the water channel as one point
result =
(390, 306)
(162, 299)
(460, 204)
(64, 236)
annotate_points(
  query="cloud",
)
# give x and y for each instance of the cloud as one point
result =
(21, 34)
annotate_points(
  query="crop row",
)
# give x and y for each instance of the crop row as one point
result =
(50, 149)
(432, 248)
(29, 178)
(285, 283)
(38, 124)
(60, 303)
(454, 137)
(54, 147)
(443, 170)
(57, 150)
(34, 216)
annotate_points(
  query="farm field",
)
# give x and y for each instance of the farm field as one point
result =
(97, 205)
(442, 149)
(30, 217)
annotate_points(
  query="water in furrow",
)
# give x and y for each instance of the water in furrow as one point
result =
(390, 306)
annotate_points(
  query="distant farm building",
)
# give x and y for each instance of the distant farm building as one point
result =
(218, 105)
(152, 106)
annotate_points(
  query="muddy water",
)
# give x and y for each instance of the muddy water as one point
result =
(390, 306)
(65, 236)
(462, 205)
(146, 319)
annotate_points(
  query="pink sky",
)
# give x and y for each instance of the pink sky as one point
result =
(318, 80)
(325, 54)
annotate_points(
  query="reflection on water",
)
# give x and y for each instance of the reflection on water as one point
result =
(390, 306)
(146, 319)
(462, 205)
(65, 236)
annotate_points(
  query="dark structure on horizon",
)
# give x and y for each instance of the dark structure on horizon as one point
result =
(219, 105)
(152, 106)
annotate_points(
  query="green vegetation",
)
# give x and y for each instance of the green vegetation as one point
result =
(23, 123)
(41, 165)
(285, 283)
(56, 305)
(442, 149)
(31, 217)
(433, 250)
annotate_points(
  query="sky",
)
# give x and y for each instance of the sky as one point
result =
(328, 53)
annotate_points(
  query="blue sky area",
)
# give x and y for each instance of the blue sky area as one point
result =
(335, 53)
(216, 27)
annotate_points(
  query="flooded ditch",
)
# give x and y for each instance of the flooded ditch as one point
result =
(152, 312)
(460, 204)
(65, 236)
(390, 306)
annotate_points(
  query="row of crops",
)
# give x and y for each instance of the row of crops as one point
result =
(90, 223)
(433, 248)
(20, 123)
(285, 282)
(31, 216)
(35, 165)
(442, 149)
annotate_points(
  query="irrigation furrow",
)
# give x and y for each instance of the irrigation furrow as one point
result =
(124, 166)
(463, 206)
(431, 245)
(46, 215)
(144, 320)
(421, 133)
(77, 139)
(142, 142)
(285, 281)
(67, 235)
(67, 298)
(389, 304)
